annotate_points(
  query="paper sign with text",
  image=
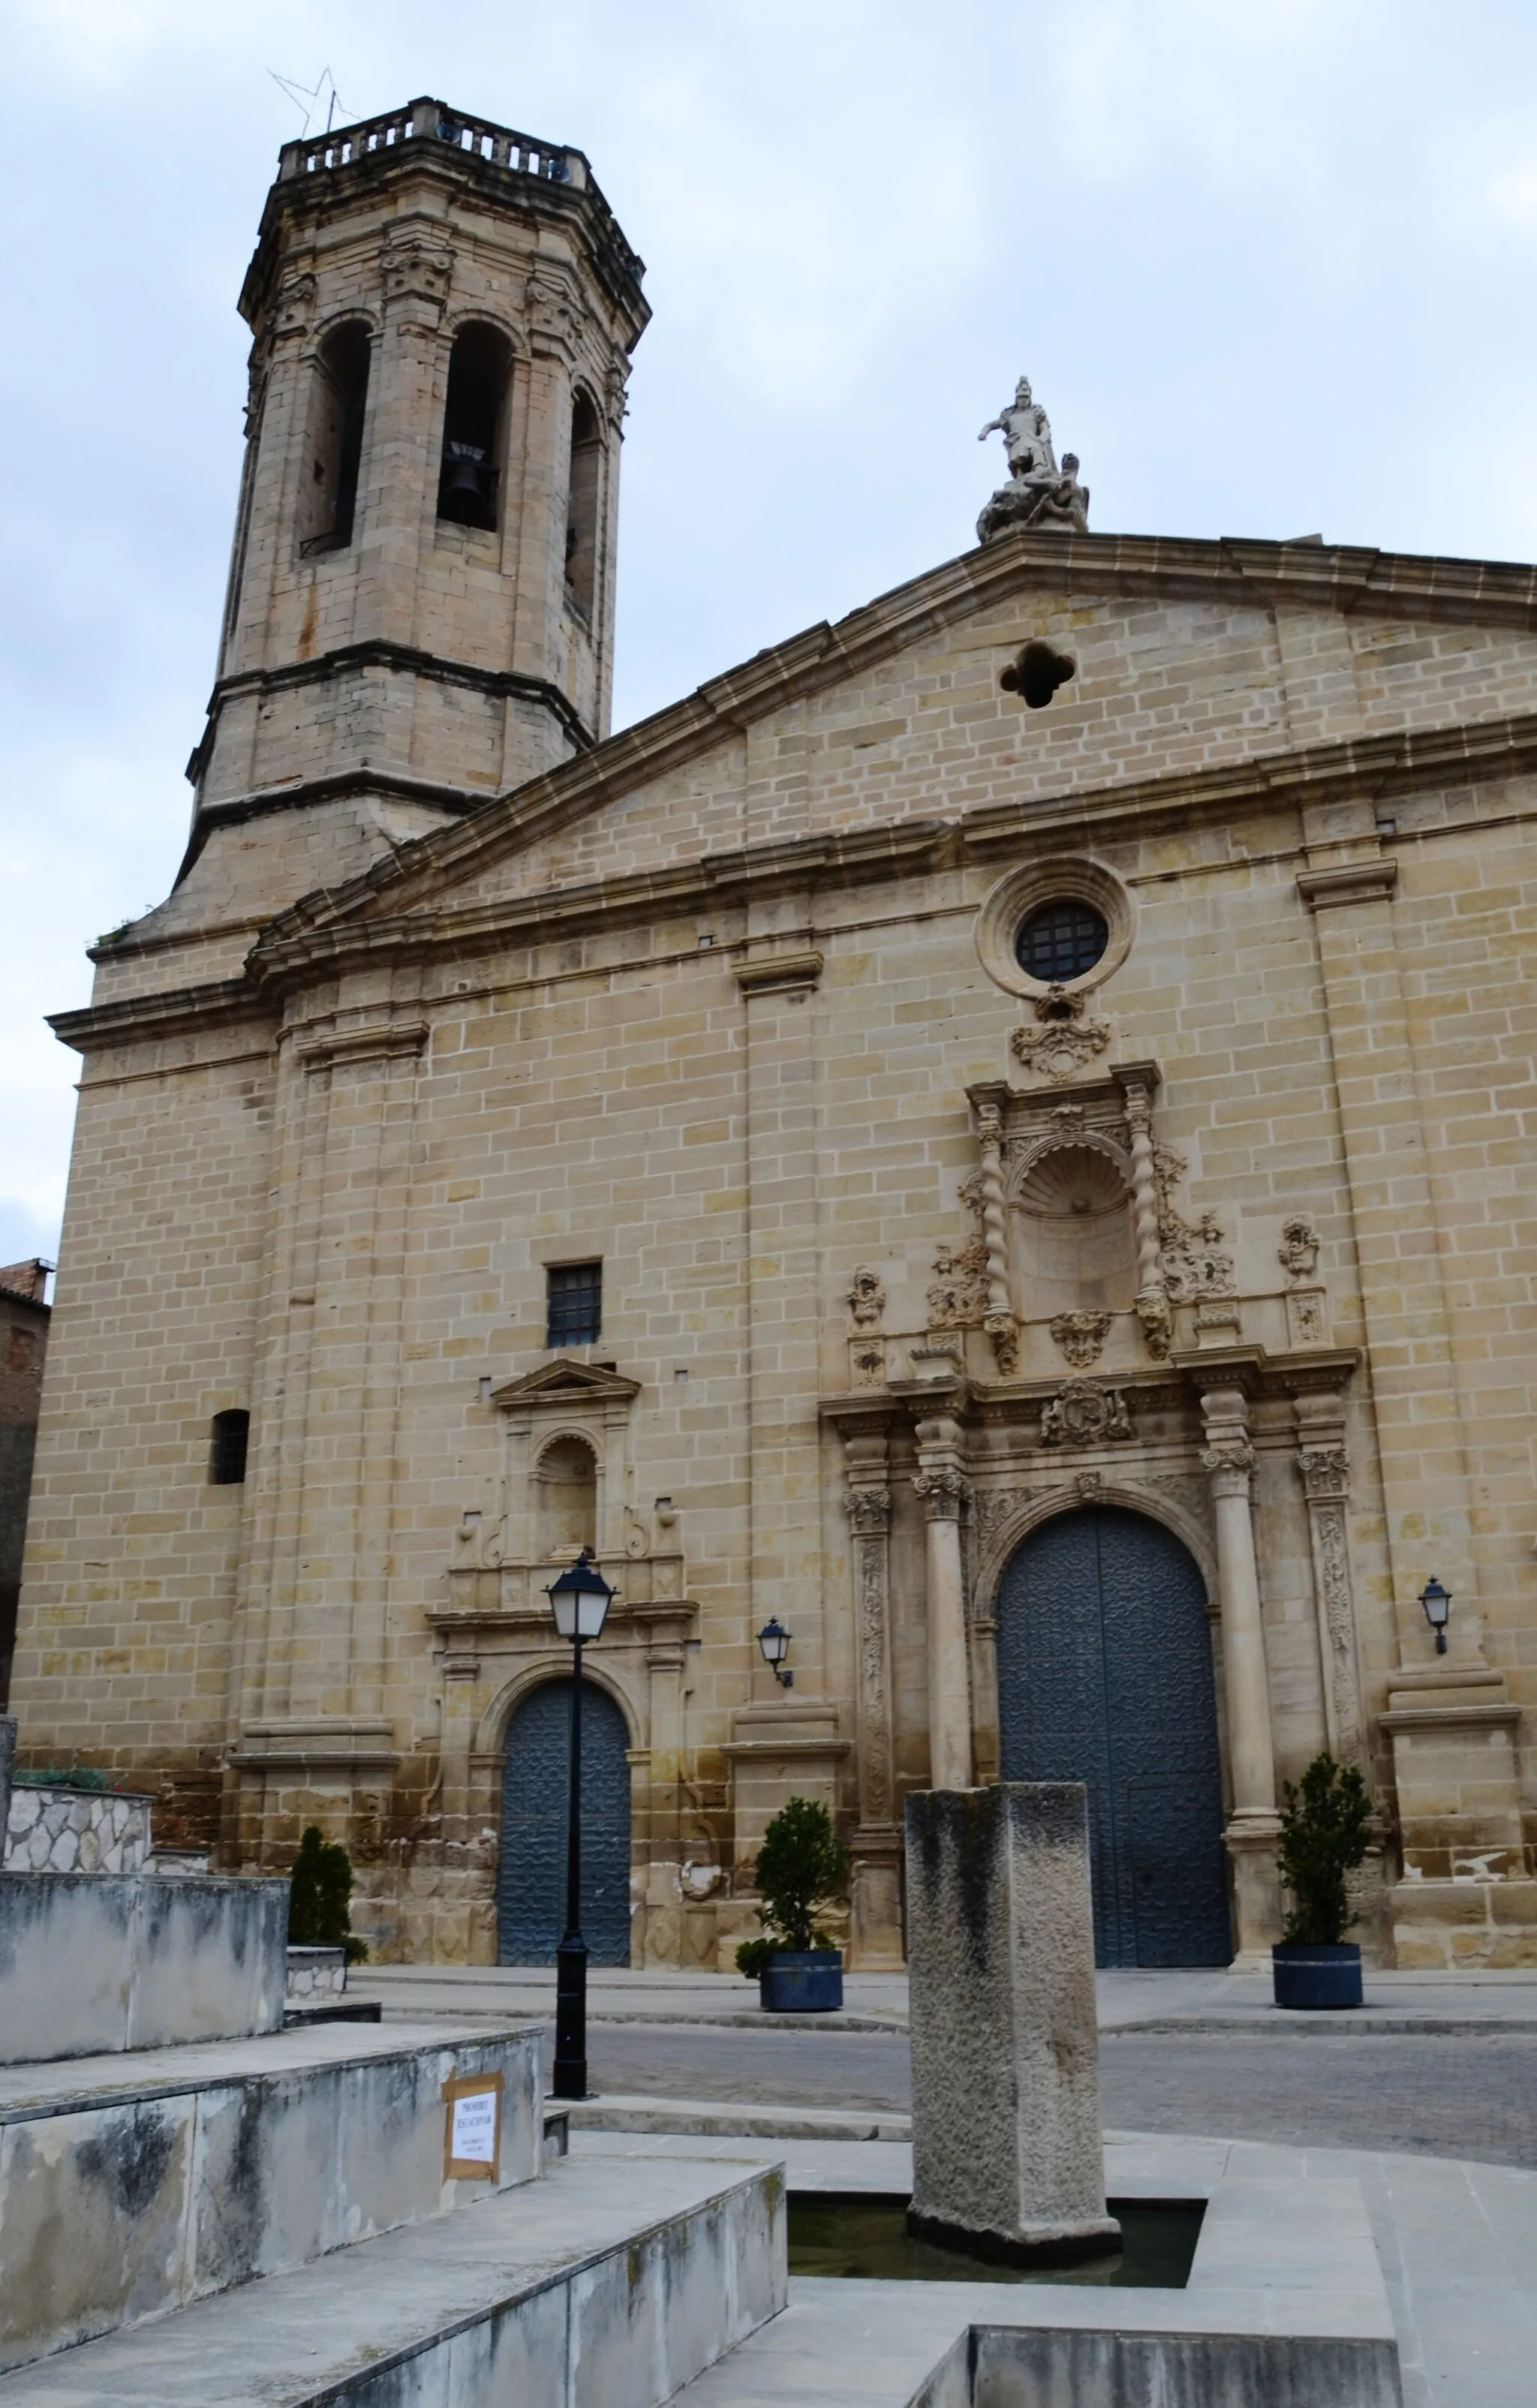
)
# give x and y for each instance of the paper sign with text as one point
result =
(472, 2142)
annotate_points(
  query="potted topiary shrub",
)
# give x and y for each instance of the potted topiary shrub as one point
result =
(1325, 1831)
(320, 1891)
(801, 1866)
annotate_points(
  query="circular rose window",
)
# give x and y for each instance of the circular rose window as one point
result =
(1061, 940)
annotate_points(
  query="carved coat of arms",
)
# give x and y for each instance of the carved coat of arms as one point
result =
(1083, 1414)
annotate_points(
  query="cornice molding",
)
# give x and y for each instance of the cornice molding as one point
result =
(1355, 882)
(172, 1012)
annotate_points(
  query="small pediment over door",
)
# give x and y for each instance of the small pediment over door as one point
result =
(566, 1383)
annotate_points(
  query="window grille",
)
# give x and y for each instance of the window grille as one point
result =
(1061, 940)
(574, 1303)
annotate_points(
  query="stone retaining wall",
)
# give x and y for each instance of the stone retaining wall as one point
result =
(55, 1829)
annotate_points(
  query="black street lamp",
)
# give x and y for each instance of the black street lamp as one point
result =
(774, 1639)
(579, 1600)
(1437, 1602)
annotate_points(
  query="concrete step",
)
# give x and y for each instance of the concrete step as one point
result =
(132, 2184)
(643, 2112)
(605, 2284)
(153, 1960)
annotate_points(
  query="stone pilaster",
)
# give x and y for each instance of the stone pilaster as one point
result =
(778, 977)
(1324, 1467)
(1254, 1824)
(943, 1488)
(875, 1888)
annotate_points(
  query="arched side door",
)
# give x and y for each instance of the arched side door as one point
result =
(1104, 1667)
(531, 1876)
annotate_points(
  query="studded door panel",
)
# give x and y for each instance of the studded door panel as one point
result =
(531, 1877)
(1105, 1676)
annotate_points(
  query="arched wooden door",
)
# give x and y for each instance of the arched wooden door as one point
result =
(531, 1877)
(1104, 1671)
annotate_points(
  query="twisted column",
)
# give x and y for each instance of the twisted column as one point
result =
(998, 1320)
(1152, 1296)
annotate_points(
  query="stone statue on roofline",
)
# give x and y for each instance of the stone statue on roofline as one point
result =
(1039, 494)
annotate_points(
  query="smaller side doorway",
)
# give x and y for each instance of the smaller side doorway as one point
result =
(531, 1876)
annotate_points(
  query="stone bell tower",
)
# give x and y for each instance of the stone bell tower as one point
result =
(421, 598)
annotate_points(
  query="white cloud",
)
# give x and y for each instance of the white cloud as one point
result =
(1247, 250)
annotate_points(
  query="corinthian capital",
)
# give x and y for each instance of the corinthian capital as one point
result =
(942, 1489)
(868, 1511)
(1229, 1454)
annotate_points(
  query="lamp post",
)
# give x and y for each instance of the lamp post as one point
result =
(1437, 1602)
(579, 1600)
(774, 1639)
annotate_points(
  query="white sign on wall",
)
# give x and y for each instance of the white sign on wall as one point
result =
(472, 2140)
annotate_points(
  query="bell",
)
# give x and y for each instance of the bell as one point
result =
(466, 472)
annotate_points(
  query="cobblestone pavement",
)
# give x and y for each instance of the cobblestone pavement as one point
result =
(1448, 2096)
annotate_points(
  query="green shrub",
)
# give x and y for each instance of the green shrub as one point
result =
(801, 1866)
(1326, 1828)
(320, 1888)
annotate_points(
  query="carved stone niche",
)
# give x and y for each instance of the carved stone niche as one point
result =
(567, 1481)
(1071, 1178)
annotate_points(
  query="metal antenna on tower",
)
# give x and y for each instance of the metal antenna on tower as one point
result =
(300, 93)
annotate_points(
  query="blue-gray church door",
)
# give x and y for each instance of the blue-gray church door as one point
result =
(1104, 1674)
(531, 1877)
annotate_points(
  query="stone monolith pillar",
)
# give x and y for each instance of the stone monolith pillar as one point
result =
(1007, 2158)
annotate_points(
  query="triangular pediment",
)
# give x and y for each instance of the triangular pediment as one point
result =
(566, 1384)
(1237, 666)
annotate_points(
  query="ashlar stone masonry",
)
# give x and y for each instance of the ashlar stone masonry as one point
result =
(993, 1127)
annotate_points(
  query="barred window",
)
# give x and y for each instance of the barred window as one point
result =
(574, 1303)
(1061, 940)
(231, 1438)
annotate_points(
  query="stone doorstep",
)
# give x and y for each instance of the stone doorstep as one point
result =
(637, 2111)
(607, 2286)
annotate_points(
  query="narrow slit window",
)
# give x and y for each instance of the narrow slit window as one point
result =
(334, 454)
(574, 1303)
(229, 1448)
(582, 509)
(469, 479)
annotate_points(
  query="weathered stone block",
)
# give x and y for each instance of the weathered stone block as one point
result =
(1006, 2147)
(150, 1961)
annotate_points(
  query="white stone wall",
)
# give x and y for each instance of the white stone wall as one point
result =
(76, 1831)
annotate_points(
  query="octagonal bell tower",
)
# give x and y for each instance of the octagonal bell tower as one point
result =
(421, 598)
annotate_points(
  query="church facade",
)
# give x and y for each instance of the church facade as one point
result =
(996, 1137)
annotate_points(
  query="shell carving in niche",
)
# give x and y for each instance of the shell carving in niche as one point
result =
(1078, 1248)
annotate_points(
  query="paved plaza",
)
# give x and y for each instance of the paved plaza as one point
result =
(1473, 2097)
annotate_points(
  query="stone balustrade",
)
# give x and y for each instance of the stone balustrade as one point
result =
(524, 154)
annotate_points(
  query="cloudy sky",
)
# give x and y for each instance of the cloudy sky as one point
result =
(1268, 263)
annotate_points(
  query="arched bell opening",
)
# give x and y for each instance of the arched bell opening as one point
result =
(1074, 1238)
(531, 1873)
(1106, 1676)
(338, 404)
(587, 478)
(474, 428)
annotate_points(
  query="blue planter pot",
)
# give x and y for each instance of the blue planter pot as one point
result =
(797, 1984)
(1307, 1975)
